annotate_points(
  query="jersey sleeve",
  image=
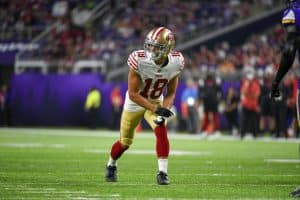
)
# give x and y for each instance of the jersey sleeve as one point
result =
(132, 61)
(288, 17)
(179, 62)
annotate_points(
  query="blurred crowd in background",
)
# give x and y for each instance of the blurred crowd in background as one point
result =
(240, 108)
(72, 30)
(74, 36)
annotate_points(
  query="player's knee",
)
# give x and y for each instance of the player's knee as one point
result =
(126, 142)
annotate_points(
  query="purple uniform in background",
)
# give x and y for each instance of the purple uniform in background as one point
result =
(292, 16)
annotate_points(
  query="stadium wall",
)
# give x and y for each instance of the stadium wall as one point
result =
(58, 100)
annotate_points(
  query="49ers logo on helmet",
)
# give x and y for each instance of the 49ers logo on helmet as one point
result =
(170, 37)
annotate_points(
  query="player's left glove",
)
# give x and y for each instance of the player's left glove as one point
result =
(164, 112)
(275, 93)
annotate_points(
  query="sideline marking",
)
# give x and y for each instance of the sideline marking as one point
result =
(154, 184)
(282, 160)
(32, 145)
(137, 152)
(151, 152)
(243, 175)
(115, 134)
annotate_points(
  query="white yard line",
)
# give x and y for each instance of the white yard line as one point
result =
(203, 184)
(138, 184)
(52, 192)
(64, 194)
(22, 145)
(151, 152)
(115, 134)
(99, 151)
(88, 198)
(241, 175)
(32, 145)
(282, 160)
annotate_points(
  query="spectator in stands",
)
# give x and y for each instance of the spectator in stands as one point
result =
(92, 105)
(116, 100)
(189, 106)
(250, 92)
(124, 27)
(80, 15)
(60, 9)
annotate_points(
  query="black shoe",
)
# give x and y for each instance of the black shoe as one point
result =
(296, 192)
(162, 178)
(111, 174)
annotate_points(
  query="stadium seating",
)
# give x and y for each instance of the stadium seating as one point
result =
(72, 30)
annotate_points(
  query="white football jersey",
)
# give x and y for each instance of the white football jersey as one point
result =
(154, 78)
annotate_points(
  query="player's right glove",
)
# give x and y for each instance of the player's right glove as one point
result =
(275, 93)
(163, 112)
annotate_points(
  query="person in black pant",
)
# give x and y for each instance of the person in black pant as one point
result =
(267, 111)
(231, 110)
(210, 94)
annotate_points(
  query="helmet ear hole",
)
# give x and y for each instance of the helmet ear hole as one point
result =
(170, 37)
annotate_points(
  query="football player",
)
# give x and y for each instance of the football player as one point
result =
(151, 72)
(291, 24)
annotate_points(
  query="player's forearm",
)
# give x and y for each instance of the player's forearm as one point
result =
(140, 100)
(285, 64)
(288, 54)
(168, 100)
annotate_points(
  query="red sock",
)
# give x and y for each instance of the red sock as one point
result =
(162, 142)
(117, 150)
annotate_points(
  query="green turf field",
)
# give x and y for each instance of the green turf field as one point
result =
(69, 164)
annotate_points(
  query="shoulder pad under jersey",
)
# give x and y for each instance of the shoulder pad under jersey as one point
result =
(134, 57)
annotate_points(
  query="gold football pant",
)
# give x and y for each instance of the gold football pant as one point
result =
(129, 122)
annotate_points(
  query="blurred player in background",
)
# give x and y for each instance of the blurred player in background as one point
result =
(151, 71)
(291, 24)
